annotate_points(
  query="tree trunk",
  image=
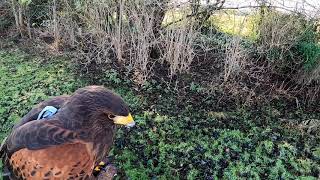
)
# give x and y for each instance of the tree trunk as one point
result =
(159, 9)
(16, 16)
(55, 24)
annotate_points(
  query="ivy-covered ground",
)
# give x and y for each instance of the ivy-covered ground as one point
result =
(177, 136)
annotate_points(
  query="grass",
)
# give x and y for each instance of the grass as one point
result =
(177, 136)
(26, 80)
(229, 22)
(239, 25)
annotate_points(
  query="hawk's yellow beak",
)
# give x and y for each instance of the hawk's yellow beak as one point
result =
(124, 120)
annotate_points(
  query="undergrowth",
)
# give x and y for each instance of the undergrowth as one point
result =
(178, 136)
(189, 136)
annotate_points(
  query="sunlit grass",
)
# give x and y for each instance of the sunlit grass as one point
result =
(240, 25)
(174, 15)
(229, 22)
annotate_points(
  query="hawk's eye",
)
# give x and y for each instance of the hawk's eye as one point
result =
(111, 116)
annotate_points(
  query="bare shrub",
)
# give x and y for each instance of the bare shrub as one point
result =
(235, 54)
(288, 45)
(183, 37)
(119, 32)
(141, 39)
(235, 59)
(179, 47)
(128, 33)
(278, 33)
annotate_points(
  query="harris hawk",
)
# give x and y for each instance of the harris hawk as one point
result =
(69, 144)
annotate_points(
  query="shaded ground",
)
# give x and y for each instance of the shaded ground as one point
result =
(178, 135)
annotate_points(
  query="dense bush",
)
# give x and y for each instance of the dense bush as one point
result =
(6, 18)
(289, 43)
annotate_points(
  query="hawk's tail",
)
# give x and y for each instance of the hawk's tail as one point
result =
(3, 155)
(3, 148)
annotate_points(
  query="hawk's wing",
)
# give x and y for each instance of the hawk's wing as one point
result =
(57, 102)
(38, 135)
(34, 135)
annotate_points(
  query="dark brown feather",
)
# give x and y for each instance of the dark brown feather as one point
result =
(80, 131)
(57, 102)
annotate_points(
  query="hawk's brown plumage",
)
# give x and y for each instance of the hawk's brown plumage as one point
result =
(72, 142)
